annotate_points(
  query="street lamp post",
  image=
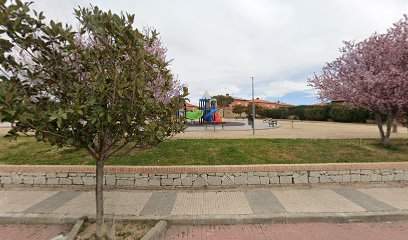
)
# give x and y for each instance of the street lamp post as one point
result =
(253, 107)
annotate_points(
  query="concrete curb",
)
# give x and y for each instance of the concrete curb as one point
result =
(155, 232)
(31, 218)
(290, 218)
(349, 217)
(74, 231)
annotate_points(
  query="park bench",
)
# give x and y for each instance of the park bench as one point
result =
(214, 124)
(271, 122)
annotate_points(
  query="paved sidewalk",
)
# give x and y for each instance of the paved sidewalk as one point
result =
(308, 231)
(185, 204)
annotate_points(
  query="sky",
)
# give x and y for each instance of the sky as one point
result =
(218, 45)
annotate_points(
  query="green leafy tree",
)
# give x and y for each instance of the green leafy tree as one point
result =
(259, 110)
(238, 109)
(223, 102)
(104, 88)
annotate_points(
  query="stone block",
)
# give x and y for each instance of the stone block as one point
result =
(355, 172)
(274, 180)
(314, 174)
(200, 181)
(145, 181)
(285, 179)
(387, 178)
(51, 175)
(65, 181)
(177, 182)
(366, 172)
(53, 181)
(253, 180)
(400, 177)
(124, 182)
(261, 174)
(241, 180)
(228, 180)
(285, 174)
(272, 174)
(346, 178)
(313, 179)
(167, 182)
(324, 179)
(355, 178)
(219, 174)
(336, 178)
(187, 181)
(204, 176)
(39, 180)
(300, 177)
(127, 176)
(62, 175)
(239, 174)
(16, 179)
(6, 180)
(151, 182)
(28, 180)
(264, 180)
(89, 180)
(173, 175)
(72, 174)
(110, 180)
(365, 178)
(211, 174)
(77, 180)
(153, 175)
(214, 180)
(375, 178)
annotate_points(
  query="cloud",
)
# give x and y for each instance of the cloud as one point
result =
(217, 45)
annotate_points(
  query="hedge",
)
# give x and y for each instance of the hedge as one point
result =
(335, 112)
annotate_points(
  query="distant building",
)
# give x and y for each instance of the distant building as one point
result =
(191, 107)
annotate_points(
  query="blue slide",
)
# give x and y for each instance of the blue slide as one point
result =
(208, 116)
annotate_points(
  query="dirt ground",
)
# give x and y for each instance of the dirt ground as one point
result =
(124, 230)
(304, 129)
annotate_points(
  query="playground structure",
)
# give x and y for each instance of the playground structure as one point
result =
(208, 112)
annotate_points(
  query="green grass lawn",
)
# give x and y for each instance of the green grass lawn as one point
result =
(205, 151)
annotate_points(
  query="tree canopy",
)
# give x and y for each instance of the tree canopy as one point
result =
(371, 74)
(101, 87)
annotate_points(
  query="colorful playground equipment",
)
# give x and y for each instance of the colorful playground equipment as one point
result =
(208, 111)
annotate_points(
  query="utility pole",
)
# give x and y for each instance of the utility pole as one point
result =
(253, 107)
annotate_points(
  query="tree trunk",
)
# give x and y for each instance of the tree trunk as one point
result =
(99, 198)
(380, 126)
(395, 126)
(385, 136)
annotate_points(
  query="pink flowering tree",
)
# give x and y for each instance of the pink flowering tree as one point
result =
(372, 74)
(105, 88)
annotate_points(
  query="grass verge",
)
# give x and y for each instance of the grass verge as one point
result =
(26, 150)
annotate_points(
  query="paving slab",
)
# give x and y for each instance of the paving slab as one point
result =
(53, 202)
(159, 204)
(207, 203)
(263, 201)
(315, 200)
(18, 201)
(364, 200)
(396, 197)
(116, 203)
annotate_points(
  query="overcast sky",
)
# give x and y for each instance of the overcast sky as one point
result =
(217, 45)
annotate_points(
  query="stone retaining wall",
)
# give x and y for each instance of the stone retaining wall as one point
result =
(193, 176)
